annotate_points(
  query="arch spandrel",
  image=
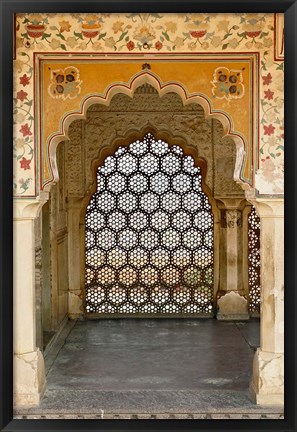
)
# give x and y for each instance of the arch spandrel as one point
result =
(230, 116)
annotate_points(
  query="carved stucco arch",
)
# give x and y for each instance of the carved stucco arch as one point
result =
(137, 80)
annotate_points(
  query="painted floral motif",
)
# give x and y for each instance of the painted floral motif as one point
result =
(272, 126)
(154, 33)
(146, 31)
(227, 84)
(65, 83)
(23, 145)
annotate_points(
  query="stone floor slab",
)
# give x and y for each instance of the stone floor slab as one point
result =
(164, 367)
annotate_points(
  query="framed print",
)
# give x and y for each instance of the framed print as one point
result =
(148, 215)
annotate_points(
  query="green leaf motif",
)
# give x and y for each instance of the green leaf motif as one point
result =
(46, 35)
(63, 47)
(79, 35)
(280, 66)
(263, 65)
(123, 35)
(60, 36)
(166, 36)
(227, 35)
(225, 46)
(101, 36)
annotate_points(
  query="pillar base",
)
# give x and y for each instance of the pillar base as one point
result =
(75, 305)
(232, 307)
(29, 378)
(267, 385)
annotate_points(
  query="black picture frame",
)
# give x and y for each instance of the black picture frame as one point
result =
(7, 9)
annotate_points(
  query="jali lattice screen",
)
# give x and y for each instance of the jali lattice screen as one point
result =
(254, 262)
(149, 234)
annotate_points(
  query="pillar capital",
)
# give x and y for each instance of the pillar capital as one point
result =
(29, 208)
(234, 203)
(268, 208)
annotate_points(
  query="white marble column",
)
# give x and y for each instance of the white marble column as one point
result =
(75, 300)
(267, 384)
(28, 372)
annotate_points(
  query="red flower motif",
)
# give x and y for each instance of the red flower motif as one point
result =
(268, 94)
(158, 45)
(25, 130)
(24, 80)
(130, 45)
(198, 33)
(252, 34)
(35, 31)
(269, 130)
(267, 79)
(21, 95)
(25, 163)
(90, 33)
(267, 157)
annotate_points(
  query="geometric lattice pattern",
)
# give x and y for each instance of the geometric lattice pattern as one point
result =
(149, 234)
(254, 261)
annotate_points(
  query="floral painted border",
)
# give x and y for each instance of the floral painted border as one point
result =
(153, 33)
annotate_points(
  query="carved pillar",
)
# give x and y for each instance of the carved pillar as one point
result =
(267, 385)
(75, 300)
(29, 374)
(231, 303)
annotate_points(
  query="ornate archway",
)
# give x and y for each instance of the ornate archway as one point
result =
(268, 181)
